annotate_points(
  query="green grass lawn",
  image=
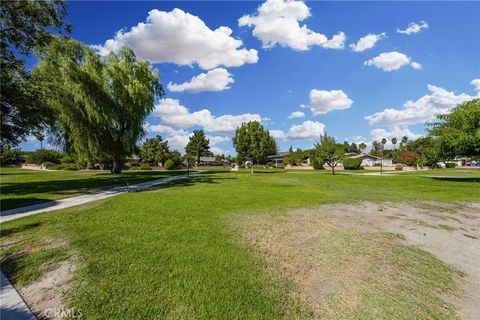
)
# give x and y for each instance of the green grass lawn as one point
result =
(21, 187)
(174, 252)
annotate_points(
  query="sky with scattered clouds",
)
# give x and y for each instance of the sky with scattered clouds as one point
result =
(357, 70)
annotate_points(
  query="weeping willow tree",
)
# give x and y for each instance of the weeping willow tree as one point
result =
(100, 102)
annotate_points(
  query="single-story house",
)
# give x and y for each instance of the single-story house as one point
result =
(211, 161)
(278, 158)
(370, 161)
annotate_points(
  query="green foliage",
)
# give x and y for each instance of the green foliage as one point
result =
(450, 165)
(176, 157)
(377, 148)
(145, 166)
(101, 103)
(253, 142)
(409, 158)
(316, 164)
(362, 146)
(350, 147)
(26, 25)
(398, 167)
(458, 133)
(154, 151)
(352, 163)
(198, 145)
(428, 149)
(169, 164)
(9, 156)
(329, 151)
(43, 155)
(71, 167)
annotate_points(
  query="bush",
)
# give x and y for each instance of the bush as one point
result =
(145, 166)
(9, 156)
(49, 165)
(450, 165)
(270, 164)
(316, 164)
(409, 158)
(169, 164)
(42, 155)
(398, 167)
(71, 166)
(352, 163)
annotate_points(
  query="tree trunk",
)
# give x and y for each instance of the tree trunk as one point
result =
(116, 169)
(333, 169)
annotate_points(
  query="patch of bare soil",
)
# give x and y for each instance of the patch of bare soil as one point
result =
(290, 244)
(45, 296)
(449, 231)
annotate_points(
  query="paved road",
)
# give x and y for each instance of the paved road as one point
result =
(12, 306)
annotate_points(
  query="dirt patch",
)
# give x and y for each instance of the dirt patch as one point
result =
(47, 294)
(450, 231)
(333, 251)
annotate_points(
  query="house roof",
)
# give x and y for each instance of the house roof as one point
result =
(280, 154)
(366, 156)
(207, 159)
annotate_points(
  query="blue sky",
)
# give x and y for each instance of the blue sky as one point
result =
(420, 59)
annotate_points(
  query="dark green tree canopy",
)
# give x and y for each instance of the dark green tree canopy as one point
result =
(100, 103)
(25, 26)
(458, 133)
(154, 151)
(198, 145)
(253, 142)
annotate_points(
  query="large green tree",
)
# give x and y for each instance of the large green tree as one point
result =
(253, 142)
(458, 132)
(154, 151)
(25, 26)
(198, 145)
(101, 102)
(329, 151)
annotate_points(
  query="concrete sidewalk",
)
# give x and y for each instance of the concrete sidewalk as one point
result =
(78, 200)
(12, 305)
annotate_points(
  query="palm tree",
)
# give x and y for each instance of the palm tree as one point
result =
(362, 146)
(384, 141)
(404, 141)
(40, 137)
(394, 142)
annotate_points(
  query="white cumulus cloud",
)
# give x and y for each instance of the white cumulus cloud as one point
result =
(177, 116)
(181, 38)
(394, 132)
(438, 101)
(217, 79)
(278, 22)
(367, 42)
(322, 101)
(279, 134)
(296, 114)
(414, 28)
(306, 130)
(476, 84)
(391, 61)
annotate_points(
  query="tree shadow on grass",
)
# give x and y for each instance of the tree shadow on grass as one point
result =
(456, 179)
(14, 203)
(88, 184)
(9, 231)
(192, 180)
